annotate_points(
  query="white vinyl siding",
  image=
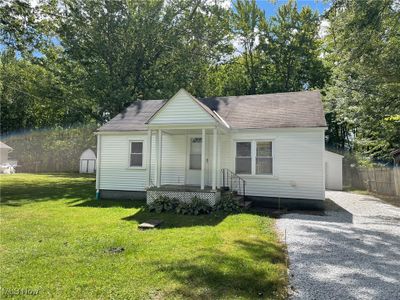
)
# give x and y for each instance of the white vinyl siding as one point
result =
(182, 109)
(333, 171)
(173, 159)
(297, 166)
(297, 163)
(115, 170)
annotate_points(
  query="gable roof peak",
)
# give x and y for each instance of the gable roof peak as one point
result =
(211, 113)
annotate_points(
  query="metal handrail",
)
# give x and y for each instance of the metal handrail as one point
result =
(229, 178)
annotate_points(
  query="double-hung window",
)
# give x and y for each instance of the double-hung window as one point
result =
(254, 158)
(243, 157)
(264, 158)
(136, 154)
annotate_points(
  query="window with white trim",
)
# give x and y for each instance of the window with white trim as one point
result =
(195, 154)
(136, 154)
(243, 157)
(264, 158)
(254, 158)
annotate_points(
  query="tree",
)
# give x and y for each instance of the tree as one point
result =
(248, 19)
(27, 28)
(39, 95)
(363, 94)
(291, 46)
(142, 50)
(228, 79)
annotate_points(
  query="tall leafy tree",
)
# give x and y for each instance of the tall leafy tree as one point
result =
(247, 20)
(291, 47)
(363, 94)
(27, 28)
(41, 94)
(133, 50)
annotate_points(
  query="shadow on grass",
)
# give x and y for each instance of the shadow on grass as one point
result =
(255, 269)
(173, 220)
(137, 203)
(59, 187)
(170, 220)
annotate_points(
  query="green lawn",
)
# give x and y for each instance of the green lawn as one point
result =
(55, 236)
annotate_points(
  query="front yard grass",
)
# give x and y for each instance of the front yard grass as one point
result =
(55, 238)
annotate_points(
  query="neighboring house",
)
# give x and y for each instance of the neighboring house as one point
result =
(269, 147)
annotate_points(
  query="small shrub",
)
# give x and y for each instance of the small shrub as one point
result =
(163, 203)
(184, 208)
(228, 203)
(197, 206)
(200, 206)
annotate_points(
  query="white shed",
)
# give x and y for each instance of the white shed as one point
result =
(87, 162)
(333, 171)
(6, 166)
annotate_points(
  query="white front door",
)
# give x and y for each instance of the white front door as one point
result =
(193, 173)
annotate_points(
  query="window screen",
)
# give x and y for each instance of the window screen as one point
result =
(136, 154)
(243, 157)
(264, 158)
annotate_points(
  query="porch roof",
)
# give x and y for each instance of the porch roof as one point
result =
(281, 110)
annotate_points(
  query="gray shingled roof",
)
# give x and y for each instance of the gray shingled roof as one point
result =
(134, 117)
(282, 110)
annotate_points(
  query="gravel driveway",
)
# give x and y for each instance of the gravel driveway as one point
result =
(352, 252)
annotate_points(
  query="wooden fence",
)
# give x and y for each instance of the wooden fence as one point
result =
(383, 181)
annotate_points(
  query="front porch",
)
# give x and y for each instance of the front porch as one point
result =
(184, 147)
(184, 158)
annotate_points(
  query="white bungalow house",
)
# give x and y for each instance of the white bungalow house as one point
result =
(268, 148)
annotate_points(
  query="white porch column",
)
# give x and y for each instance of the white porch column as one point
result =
(214, 161)
(203, 156)
(158, 161)
(218, 160)
(148, 150)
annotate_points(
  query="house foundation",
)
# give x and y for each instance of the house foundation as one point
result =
(183, 193)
